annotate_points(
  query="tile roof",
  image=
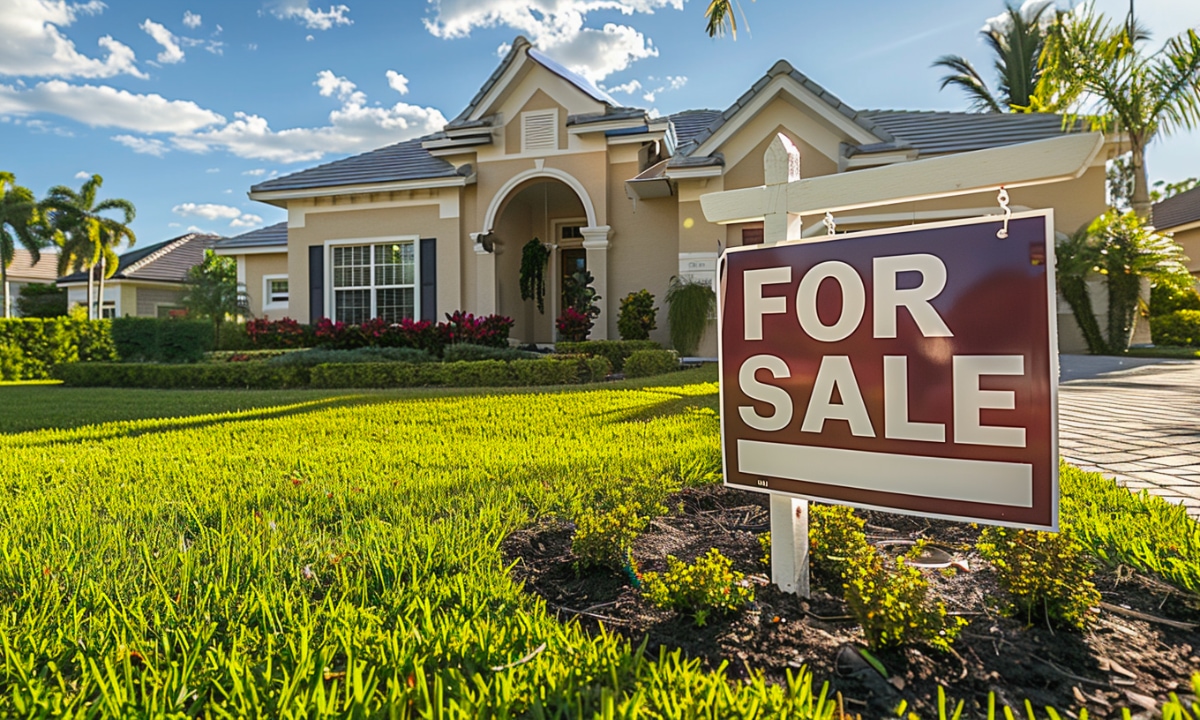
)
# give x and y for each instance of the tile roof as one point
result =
(933, 133)
(24, 269)
(270, 235)
(690, 123)
(402, 161)
(1181, 209)
(167, 261)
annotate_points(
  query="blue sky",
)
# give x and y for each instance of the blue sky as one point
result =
(182, 105)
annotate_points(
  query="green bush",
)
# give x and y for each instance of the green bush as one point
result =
(645, 363)
(890, 600)
(1046, 575)
(468, 351)
(42, 300)
(604, 539)
(320, 356)
(689, 306)
(233, 337)
(485, 373)
(1180, 328)
(1165, 300)
(706, 586)
(835, 538)
(44, 343)
(616, 351)
(637, 316)
(171, 340)
(12, 362)
(191, 376)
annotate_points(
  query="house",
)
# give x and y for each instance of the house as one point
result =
(1179, 216)
(149, 281)
(428, 226)
(24, 271)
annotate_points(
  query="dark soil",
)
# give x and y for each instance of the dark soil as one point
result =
(1121, 661)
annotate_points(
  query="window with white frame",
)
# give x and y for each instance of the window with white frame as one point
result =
(275, 290)
(374, 281)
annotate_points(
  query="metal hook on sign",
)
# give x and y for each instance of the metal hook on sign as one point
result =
(1002, 198)
(830, 225)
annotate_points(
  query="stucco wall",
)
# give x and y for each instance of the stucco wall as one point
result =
(643, 249)
(1189, 240)
(267, 264)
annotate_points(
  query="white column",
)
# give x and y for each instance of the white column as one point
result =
(485, 280)
(595, 242)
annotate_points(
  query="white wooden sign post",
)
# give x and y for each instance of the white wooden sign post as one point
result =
(782, 201)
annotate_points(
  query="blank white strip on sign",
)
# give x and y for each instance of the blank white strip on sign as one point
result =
(982, 481)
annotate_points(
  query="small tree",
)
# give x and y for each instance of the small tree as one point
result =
(213, 292)
(637, 316)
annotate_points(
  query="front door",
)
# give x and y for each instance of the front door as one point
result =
(573, 260)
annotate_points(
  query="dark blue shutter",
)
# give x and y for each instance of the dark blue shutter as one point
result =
(429, 279)
(316, 282)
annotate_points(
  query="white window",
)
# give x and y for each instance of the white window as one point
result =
(275, 291)
(108, 309)
(539, 130)
(374, 281)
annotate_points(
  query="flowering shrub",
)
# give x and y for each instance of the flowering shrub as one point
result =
(604, 539)
(1048, 576)
(490, 330)
(710, 584)
(573, 325)
(276, 334)
(460, 327)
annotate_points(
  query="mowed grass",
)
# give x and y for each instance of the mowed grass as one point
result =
(324, 554)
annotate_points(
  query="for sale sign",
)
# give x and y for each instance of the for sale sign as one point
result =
(911, 369)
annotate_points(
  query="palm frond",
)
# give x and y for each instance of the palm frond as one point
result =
(965, 77)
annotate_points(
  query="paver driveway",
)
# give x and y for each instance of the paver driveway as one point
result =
(1136, 419)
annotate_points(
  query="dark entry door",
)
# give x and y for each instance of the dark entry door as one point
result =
(573, 260)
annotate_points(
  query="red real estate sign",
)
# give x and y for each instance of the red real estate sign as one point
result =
(912, 370)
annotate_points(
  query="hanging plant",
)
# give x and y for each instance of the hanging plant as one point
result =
(533, 272)
(689, 306)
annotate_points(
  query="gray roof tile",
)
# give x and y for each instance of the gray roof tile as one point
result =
(167, 261)
(402, 161)
(1181, 209)
(934, 133)
(267, 236)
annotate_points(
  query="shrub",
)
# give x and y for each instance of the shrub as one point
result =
(277, 334)
(467, 351)
(42, 300)
(487, 373)
(890, 600)
(192, 376)
(645, 363)
(460, 327)
(317, 356)
(1046, 575)
(688, 307)
(708, 585)
(835, 538)
(490, 330)
(42, 343)
(1181, 328)
(573, 325)
(617, 351)
(637, 316)
(1165, 299)
(153, 340)
(604, 539)
(12, 362)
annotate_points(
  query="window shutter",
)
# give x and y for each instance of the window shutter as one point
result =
(429, 279)
(316, 282)
(539, 130)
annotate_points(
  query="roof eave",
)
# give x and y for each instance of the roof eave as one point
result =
(275, 197)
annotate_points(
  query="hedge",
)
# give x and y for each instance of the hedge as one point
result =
(487, 373)
(617, 351)
(1181, 328)
(645, 363)
(31, 346)
(172, 340)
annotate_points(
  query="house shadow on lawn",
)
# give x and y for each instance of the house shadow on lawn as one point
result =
(1119, 662)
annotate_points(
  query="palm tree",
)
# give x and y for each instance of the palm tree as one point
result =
(1099, 73)
(1016, 38)
(721, 16)
(88, 239)
(18, 223)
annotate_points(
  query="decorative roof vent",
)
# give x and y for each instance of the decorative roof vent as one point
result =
(539, 130)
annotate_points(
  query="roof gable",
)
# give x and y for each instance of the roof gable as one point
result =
(167, 261)
(1177, 211)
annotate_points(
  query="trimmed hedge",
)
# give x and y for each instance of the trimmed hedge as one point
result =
(645, 363)
(321, 356)
(31, 346)
(1181, 328)
(469, 351)
(171, 340)
(617, 351)
(265, 375)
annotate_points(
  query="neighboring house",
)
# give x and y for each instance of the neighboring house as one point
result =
(428, 226)
(149, 281)
(24, 271)
(1179, 216)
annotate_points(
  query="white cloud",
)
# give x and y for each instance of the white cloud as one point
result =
(628, 88)
(82, 175)
(143, 146)
(353, 127)
(312, 19)
(397, 82)
(173, 225)
(208, 211)
(675, 82)
(557, 27)
(671, 82)
(309, 38)
(171, 52)
(33, 45)
(247, 220)
(210, 171)
(103, 106)
(256, 172)
(252, 47)
(191, 19)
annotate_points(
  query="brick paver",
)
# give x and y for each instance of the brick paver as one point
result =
(1138, 421)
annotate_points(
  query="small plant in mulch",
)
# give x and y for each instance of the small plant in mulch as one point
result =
(890, 600)
(1048, 576)
(835, 537)
(709, 585)
(604, 539)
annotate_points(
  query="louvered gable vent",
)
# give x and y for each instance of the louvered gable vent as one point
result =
(539, 130)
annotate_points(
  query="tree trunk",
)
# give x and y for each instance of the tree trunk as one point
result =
(1075, 292)
(1141, 184)
(4, 289)
(100, 291)
(91, 272)
(1123, 290)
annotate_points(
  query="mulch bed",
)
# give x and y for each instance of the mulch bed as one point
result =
(1122, 661)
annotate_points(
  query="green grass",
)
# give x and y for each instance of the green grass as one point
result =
(308, 554)
(1164, 351)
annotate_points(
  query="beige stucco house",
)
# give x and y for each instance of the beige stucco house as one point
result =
(1179, 216)
(437, 224)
